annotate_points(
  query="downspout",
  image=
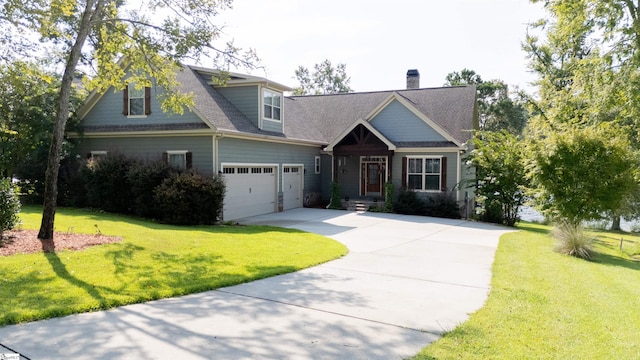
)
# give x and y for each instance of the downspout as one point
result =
(216, 138)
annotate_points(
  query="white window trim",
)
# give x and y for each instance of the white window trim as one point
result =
(144, 110)
(317, 164)
(177, 152)
(423, 173)
(97, 153)
(264, 117)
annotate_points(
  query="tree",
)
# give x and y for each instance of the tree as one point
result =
(27, 108)
(122, 42)
(582, 172)
(498, 157)
(497, 109)
(325, 79)
(587, 62)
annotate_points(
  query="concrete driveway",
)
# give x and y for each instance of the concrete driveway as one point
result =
(406, 280)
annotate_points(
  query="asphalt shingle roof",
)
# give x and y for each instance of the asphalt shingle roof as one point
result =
(451, 108)
(321, 118)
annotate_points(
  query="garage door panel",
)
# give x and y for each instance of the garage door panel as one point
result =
(250, 192)
(292, 187)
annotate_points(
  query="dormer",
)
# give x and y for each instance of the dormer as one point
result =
(259, 99)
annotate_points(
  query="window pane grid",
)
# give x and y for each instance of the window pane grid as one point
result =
(424, 174)
(272, 108)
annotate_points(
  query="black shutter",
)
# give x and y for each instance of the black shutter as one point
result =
(404, 171)
(189, 159)
(147, 100)
(125, 100)
(165, 158)
(443, 175)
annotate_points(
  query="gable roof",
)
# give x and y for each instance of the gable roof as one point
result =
(450, 110)
(368, 126)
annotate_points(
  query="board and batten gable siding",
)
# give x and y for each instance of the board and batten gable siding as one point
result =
(452, 167)
(108, 111)
(232, 150)
(244, 98)
(152, 148)
(397, 123)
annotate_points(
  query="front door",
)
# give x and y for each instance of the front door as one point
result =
(372, 176)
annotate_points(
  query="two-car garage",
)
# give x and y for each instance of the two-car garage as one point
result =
(252, 189)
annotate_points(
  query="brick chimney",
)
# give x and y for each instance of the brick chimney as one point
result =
(413, 79)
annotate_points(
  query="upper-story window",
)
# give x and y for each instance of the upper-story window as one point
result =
(272, 105)
(137, 102)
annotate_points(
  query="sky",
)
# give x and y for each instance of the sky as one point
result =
(380, 40)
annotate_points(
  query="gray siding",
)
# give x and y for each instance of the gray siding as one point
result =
(349, 176)
(326, 176)
(452, 168)
(244, 98)
(247, 151)
(108, 111)
(275, 126)
(151, 148)
(397, 123)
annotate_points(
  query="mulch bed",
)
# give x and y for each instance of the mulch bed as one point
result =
(26, 242)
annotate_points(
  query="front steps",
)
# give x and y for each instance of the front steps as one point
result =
(361, 205)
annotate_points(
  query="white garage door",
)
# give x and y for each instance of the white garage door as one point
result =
(251, 190)
(292, 187)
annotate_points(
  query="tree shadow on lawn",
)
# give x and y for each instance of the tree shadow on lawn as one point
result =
(613, 260)
(532, 227)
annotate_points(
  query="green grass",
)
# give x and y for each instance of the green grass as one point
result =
(544, 305)
(153, 261)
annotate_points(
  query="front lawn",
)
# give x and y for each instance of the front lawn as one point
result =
(153, 261)
(544, 305)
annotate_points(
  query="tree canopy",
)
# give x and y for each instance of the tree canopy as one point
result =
(498, 110)
(117, 41)
(325, 79)
(586, 56)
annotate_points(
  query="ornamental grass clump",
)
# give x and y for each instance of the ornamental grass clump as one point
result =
(573, 240)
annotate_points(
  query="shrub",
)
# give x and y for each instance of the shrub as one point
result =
(408, 203)
(572, 240)
(190, 199)
(389, 190)
(107, 186)
(72, 187)
(9, 205)
(442, 205)
(336, 201)
(143, 179)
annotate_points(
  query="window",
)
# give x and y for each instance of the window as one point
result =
(272, 105)
(137, 102)
(317, 164)
(179, 159)
(95, 155)
(425, 173)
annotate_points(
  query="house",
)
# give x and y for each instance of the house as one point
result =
(280, 152)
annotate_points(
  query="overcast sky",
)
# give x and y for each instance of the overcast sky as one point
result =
(379, 40)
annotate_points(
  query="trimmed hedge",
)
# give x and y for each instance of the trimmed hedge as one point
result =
(190, 199)
(152, 190)
(436, 205)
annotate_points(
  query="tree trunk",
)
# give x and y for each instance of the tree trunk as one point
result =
(62, 113)
(615, 224)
